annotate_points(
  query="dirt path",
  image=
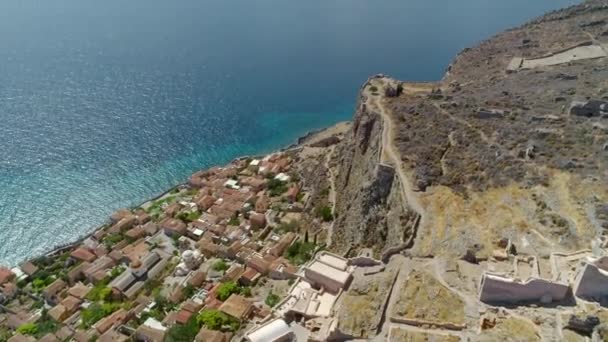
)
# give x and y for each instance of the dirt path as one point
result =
(332, 192)
(390, 157)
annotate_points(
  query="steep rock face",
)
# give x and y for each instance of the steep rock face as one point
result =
(369, 208)
(491, 152)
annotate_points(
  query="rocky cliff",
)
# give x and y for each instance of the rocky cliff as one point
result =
(370, 211)
(512, 143)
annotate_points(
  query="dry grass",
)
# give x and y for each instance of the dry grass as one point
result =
(361, 307)
(455, 222)
(401, 335)
(511, 329)
(424, 298)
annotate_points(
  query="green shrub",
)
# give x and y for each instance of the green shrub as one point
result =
(185, 332)
(245, 291)
(300, 252)
(226, 289)
(373, 89)
(189, 216)
(46, 324)
(115, 272)
(188, 291)
(216, 320)
(324, 213)
(95, 312)
(220, 266)
(28, 329)
(234, 221)
(276, 187)
(101, 292)
(112, 239)
(272, 299)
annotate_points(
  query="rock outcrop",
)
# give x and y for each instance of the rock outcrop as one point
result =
(491, 151)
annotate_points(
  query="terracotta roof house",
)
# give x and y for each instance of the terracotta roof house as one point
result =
(258, 264)
(97, 270)
(77, 273)
(233, 273)
(192, 306)
(122, 225)
(206, 335)
(112, 336)
(172, 209)
(256, 184)
(118, 256)
(28, 268)
(205, 202)
(279, 248)
(119, 215)
(84, 336)
(197, 279)
(173, 227)
(101, 250)
(142, 217)
(71, 303)
(257, 220)
(249, 277)
(237, 306)
(6, 275)
(135, 233)
(149, 334)
(150, 228)
(183, 316)
(281, 269)
(49, 338)
(52, 291)
(64, 333)
(114, 319)
(9, 290)
(207, 248)
(137, 250)
(59, 313)
(79, 290)
(99, 234)
(83, 254)
(20, 338)
(262, 204)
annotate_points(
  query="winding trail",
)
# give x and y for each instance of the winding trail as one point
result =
(332, 193)
(389, 156)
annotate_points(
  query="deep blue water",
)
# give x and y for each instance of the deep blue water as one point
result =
(106, 103)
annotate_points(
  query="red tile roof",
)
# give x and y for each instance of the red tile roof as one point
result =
(83, 254)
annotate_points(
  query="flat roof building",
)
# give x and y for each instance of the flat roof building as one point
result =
(273, 331)
(328, 271)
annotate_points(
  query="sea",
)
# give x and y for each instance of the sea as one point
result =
(104, 104)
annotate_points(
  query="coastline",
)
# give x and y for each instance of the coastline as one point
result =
(299, 142)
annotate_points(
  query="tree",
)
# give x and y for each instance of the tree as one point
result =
(300, 252)
(95, 312)
(217, 320)
(324, 212)
(185, 332)
(220, 266)
(272, 299)
(226, 290)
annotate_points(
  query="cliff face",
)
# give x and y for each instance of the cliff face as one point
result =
(492, 151)
(370, 211)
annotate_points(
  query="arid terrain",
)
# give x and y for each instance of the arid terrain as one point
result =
(474, 208)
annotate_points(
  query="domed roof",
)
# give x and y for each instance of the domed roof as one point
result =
(136, 263)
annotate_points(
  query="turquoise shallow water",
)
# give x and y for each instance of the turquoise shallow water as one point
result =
(106, 103)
